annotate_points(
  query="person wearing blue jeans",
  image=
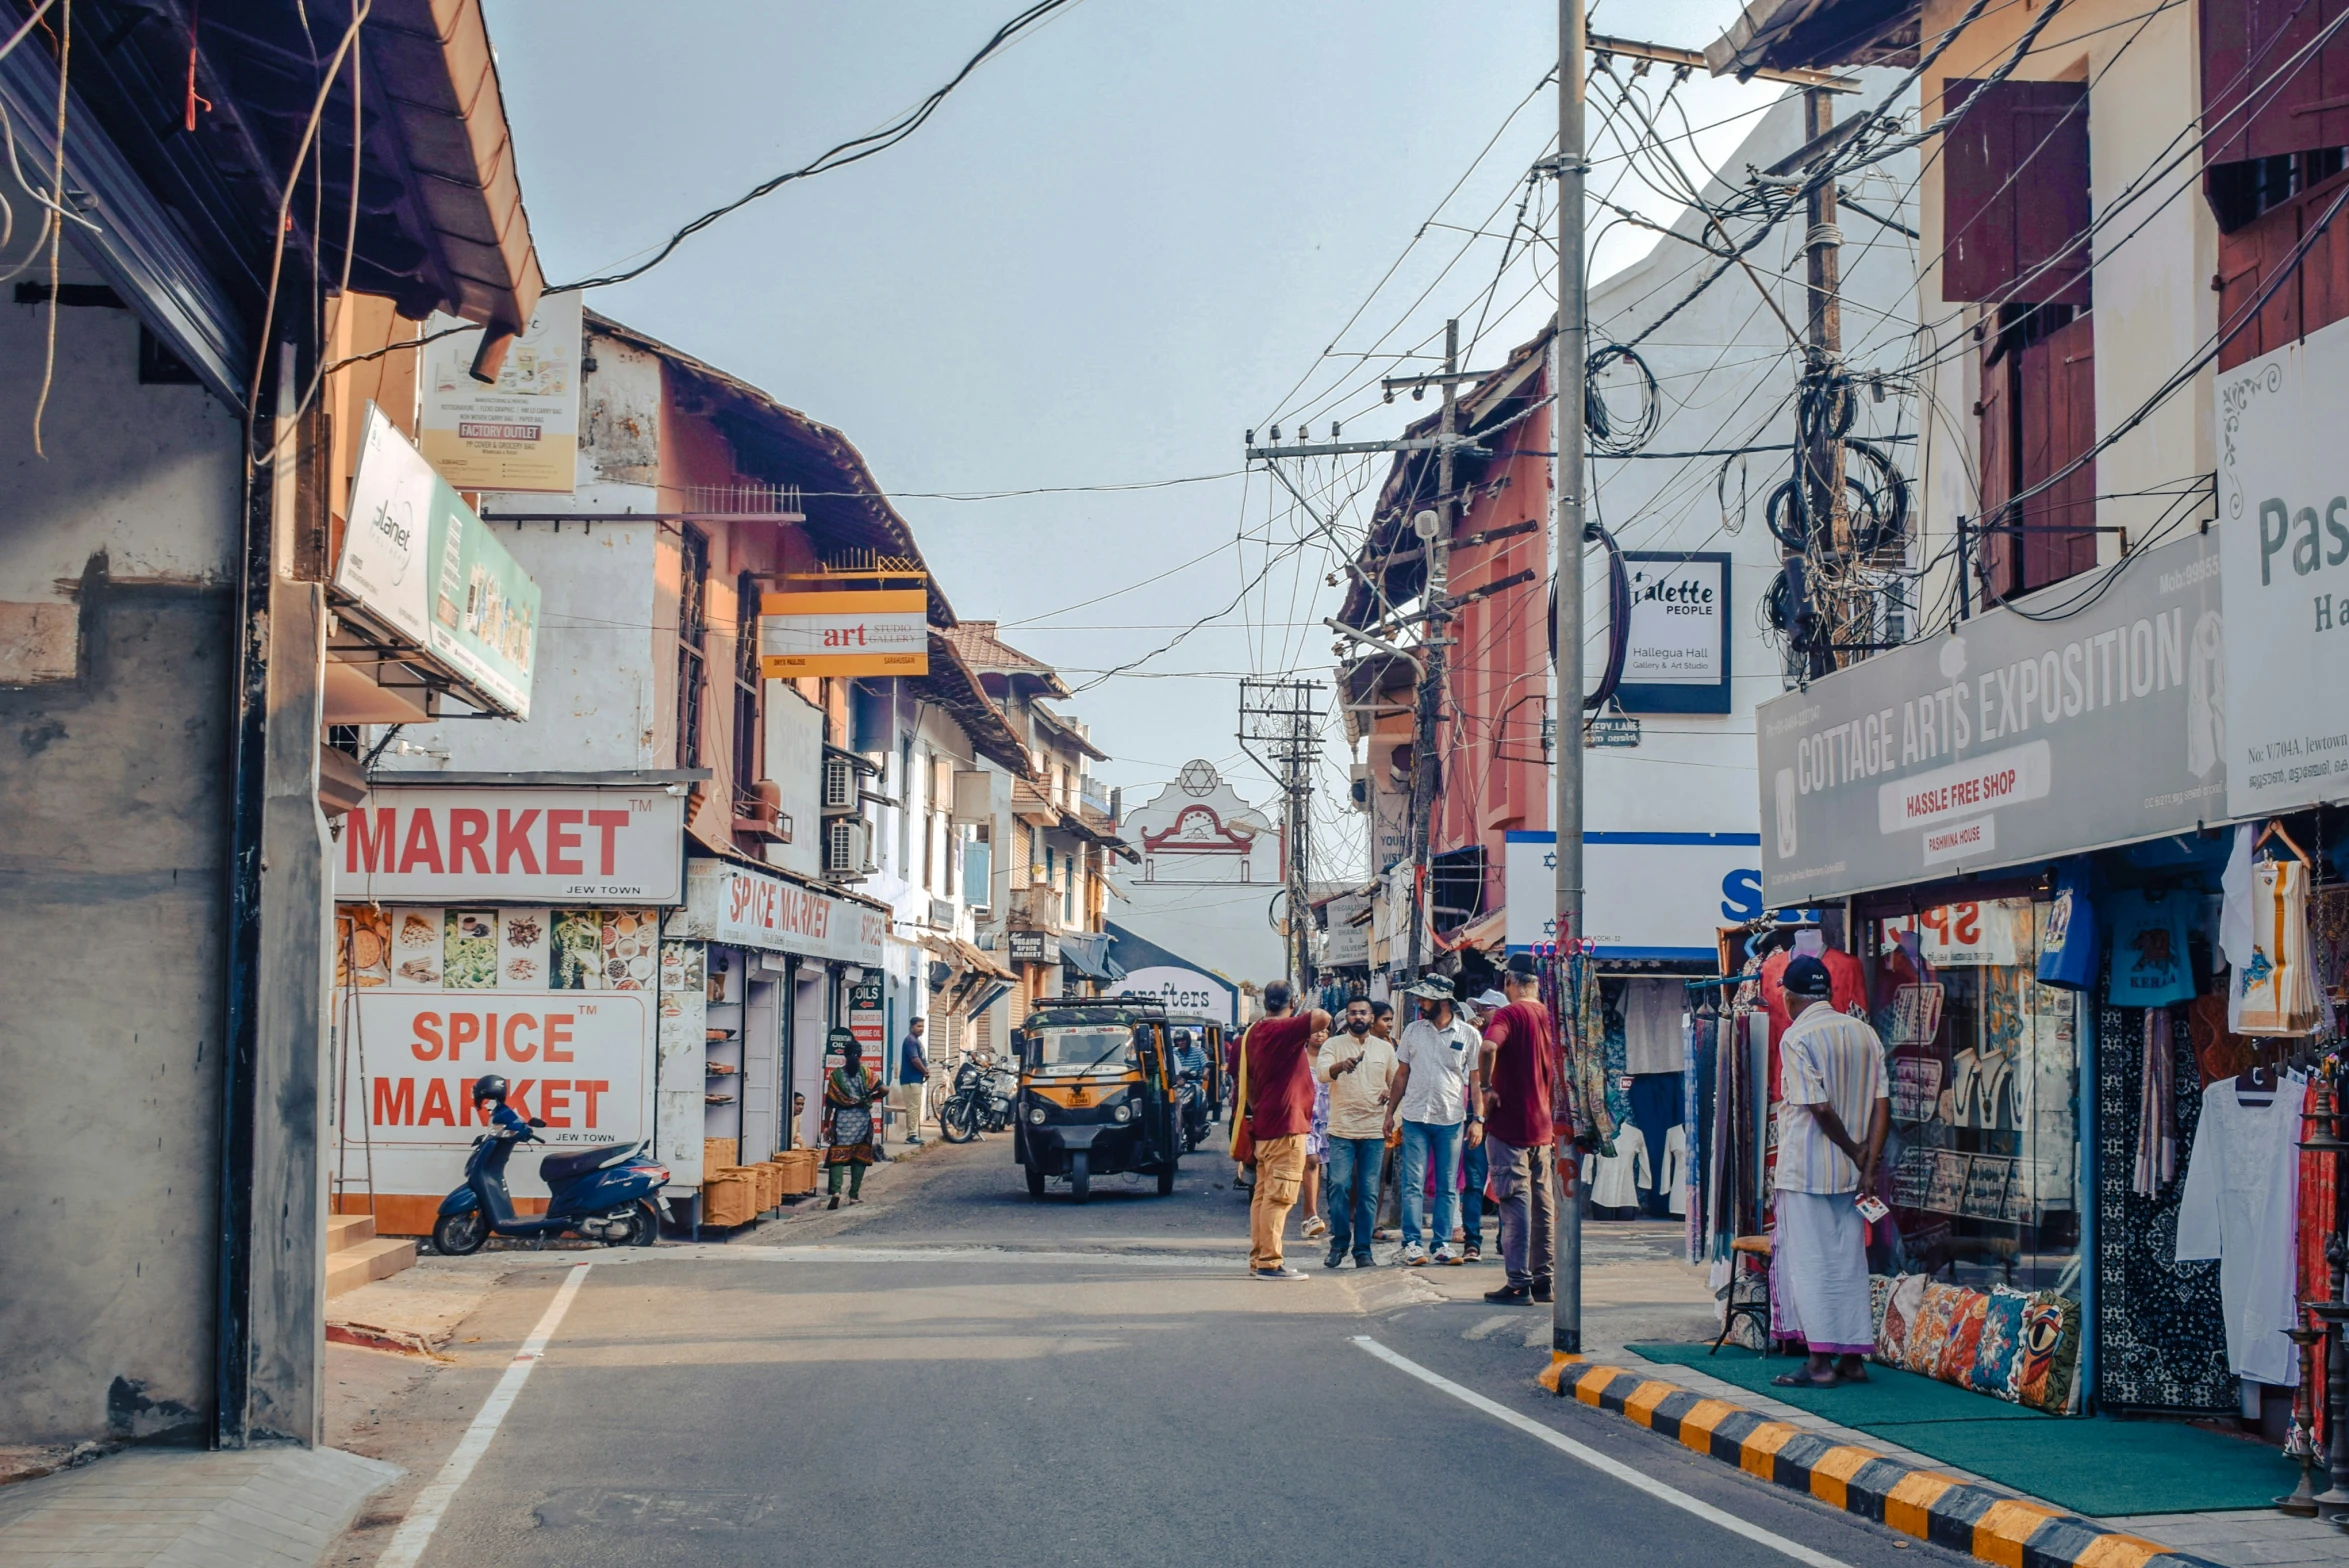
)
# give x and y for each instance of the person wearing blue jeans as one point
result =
(1430, 1098)
(1356, 1064)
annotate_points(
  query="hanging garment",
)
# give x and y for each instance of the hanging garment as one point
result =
(2235, 943)
(2239, 1206)
(2317, 1207)
(1615, 1179)
(1673, 1177)
(1719, 1142)
(1653, 1039)
(2277, 988)
(2150, 962)
(2157, 1115)
(2071, 943)
(1655, 1106)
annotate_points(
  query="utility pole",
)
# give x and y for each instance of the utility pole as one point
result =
(1825, 504)
(1426, 769)
(1281, 717)
(1570, 352)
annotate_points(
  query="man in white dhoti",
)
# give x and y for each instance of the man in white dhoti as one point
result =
(1830, 1080)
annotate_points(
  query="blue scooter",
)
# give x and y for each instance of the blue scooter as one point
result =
(604, 1193)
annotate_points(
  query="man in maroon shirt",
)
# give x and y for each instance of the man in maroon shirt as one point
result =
(1279, 1050)
(1516, 1071)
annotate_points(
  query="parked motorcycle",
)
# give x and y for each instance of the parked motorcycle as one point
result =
(604, 1193)
(980, 1100)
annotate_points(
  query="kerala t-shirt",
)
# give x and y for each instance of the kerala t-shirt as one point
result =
(2069, 943)
(2150, 964)
(1280, 1076)
(1523, 1074)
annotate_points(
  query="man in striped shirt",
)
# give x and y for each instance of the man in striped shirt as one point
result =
(1830, 1081)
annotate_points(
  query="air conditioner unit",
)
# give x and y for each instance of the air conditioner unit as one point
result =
(1358, 788)
(848, 847)
(839, 784)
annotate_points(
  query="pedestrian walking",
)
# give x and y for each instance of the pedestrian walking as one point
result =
(913, 1080)
(1516, 1070)
(1390, 1199)
(1356, 1067)
(1475, 1157)
(1316, 1159)
(1830, 1080)
(1277, 1057)
(1429, 1098)
(850, 1093)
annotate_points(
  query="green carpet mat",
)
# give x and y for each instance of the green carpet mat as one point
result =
(2095, 1467)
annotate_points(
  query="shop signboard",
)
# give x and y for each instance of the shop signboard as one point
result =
(741, 907)
(2089, 714)
(1676, 658)
(1186, 991)
(435, 843)
(1034, 947)
(2283, 497)
(1645, 895)
(1997, 931)
(418, 561)
(522, 433)
(868, 1023)
(845, 632)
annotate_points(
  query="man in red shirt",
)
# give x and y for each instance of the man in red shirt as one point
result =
(1279, 1050)
(1516, 1072)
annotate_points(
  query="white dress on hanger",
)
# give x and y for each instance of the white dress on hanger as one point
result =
(1674, 1177)
(2240, 1206)
(1615, 1180)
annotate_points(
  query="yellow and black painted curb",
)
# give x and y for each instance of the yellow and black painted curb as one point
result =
(1892, 1492)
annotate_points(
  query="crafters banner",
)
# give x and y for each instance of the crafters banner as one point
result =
(2088, 714)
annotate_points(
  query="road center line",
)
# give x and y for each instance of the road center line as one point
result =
(1603, 1463)
(424, 1514)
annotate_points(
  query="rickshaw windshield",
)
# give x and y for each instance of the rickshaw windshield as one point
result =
(1074, 1050)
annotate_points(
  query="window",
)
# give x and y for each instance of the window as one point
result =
(693, 592)
(2015, 201)
(2038, 415)
(748, 750)
(2261, 95)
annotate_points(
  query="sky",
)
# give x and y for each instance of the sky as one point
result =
(1147, 229)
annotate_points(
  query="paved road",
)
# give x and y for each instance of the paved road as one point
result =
(1103, 1386)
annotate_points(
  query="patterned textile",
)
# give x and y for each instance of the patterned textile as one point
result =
(1879, 1297)
(1901, 1302)
(2160, 1332)
(1317, 1135)
(2000, 1352)
(1618, 1056)
(2050, 1354)
(849, 1093)
(2157, 1110)
(1965, 1341)
(1930, 1326)
(2317, 1210)
(1570, 989)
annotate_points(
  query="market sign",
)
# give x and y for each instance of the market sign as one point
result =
(424, 568)
(884, 631)
(439, 844)
(1645, 895)
(523, 432)
(2088, 714)
(1676, 657)
(2283, 495)
(1034, 947)
(740, 907)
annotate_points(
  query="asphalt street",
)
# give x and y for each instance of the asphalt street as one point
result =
(953, 1371)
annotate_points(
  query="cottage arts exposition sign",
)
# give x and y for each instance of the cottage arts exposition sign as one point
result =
(2092, 713)
(2283, 493)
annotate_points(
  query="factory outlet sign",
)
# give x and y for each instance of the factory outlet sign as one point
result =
(2091, 713)
(435, 844)
(2283, 495)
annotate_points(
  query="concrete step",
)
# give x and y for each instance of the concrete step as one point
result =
(378, 1257)
(344, 1230)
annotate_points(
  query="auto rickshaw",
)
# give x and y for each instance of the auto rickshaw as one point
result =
(1097, 1094)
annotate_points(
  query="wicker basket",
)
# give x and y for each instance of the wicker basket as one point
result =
(719, 1154)
(729, 1198)
(796, 1169)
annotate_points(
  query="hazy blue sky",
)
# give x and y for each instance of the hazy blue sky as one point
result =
(1114, 250)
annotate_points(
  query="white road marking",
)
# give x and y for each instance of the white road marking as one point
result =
(711, 1252)
(1490, 1326)
(1603, 1463)
(424, 1514)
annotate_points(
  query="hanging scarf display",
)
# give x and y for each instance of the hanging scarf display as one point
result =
(1570, 989)
(2275, 992)
(2317, 1209)
(2157, 1117)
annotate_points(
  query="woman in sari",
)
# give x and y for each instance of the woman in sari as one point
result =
(849, 1093)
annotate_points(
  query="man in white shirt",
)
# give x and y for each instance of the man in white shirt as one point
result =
(1830, 1080)
(1356, 1064)
(1430, 1097)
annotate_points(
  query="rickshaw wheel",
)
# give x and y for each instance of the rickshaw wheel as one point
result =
(1166, 1176)
(1080, 1176)
(1035, 1182)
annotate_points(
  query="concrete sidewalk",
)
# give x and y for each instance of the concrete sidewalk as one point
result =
(182, 1508)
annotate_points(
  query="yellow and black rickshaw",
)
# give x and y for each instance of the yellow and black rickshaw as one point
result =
(1097, 1094)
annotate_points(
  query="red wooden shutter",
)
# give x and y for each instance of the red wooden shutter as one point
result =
(1996, 483)
(2014, 189)
(2245, 44)
(2056, 386)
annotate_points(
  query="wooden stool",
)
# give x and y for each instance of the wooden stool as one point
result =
(1748, 1304)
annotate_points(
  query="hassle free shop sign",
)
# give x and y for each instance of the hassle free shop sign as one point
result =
(2283, 498)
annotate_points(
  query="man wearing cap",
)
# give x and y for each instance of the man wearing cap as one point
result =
(1474, 1156)
(1517, 1072)
(1830, 1080)
(1430, 1097)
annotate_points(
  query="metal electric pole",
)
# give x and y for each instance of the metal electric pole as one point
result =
(1283, 719)
(1570, 353)
(1426, 769)
(1825, 503)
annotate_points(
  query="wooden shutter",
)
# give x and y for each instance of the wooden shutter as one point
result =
(2056, 418)
(2014, 193)
(1996, 478)
(2245, 43)
(2315, 295)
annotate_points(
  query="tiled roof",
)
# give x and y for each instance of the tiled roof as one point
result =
(986, 652)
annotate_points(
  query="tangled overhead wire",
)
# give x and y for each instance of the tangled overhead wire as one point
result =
(1876, 493)
(1612, 434)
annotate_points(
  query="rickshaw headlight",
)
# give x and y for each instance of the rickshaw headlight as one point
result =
(1036, 1115)
(1124, 1112)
